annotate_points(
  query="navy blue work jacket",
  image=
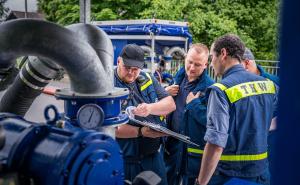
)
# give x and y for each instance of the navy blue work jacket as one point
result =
(192, 125)
(251, 99)
(263, 73)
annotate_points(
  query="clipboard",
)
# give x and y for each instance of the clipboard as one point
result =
(159, 128)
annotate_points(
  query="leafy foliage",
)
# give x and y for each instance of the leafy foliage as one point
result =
(67, 11)
(2, 8)
(254, 21)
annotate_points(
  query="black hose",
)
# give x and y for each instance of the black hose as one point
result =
(7, 76)
(44, 39)
(101, 43)
(26, 87)
(50, 42)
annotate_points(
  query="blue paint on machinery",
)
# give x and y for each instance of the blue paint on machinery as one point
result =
(70, 148)
(110, 104)
(52, 155)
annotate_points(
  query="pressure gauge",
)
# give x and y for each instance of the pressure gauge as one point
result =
(90, 116)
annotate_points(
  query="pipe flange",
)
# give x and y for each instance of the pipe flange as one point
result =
(68, 94)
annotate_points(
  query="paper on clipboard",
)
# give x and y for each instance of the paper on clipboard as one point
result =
(158, 128)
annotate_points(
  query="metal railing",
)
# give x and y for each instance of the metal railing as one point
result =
(269, 66)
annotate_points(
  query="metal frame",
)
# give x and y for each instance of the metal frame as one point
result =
(151, 36)
(85, 11)
(142, 21)
(147, 37)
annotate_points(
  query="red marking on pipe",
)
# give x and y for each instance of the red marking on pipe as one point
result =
(49, 90)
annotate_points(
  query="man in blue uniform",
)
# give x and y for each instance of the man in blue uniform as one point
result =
(248, 61)
(140, 145)
(240, 110)
(250, 65)
(189, 118)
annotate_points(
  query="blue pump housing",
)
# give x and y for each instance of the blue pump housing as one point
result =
(53, 156)
(110, 104)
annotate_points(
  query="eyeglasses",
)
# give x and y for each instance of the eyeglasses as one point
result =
(209, 59)
(133, 69)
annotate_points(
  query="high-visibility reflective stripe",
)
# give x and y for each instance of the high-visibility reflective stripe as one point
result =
(149, 82)
(221, 86)
(254, 157)
(195, 150)
(243, 90)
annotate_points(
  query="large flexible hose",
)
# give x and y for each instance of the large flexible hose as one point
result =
(33, 77)
(147, 49)
(101, 43)
(173, 50)
(50, 42)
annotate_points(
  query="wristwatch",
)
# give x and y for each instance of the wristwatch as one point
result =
(140, 134)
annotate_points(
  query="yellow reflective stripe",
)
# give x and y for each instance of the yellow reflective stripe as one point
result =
(254, 157)
(149, 82)
(221, 86)
(195, 150)
(161, 117)
(243, 90)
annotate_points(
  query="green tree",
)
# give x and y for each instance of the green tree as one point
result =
(60, 11)
(257, 19)
(67, 11)
(254, 21)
